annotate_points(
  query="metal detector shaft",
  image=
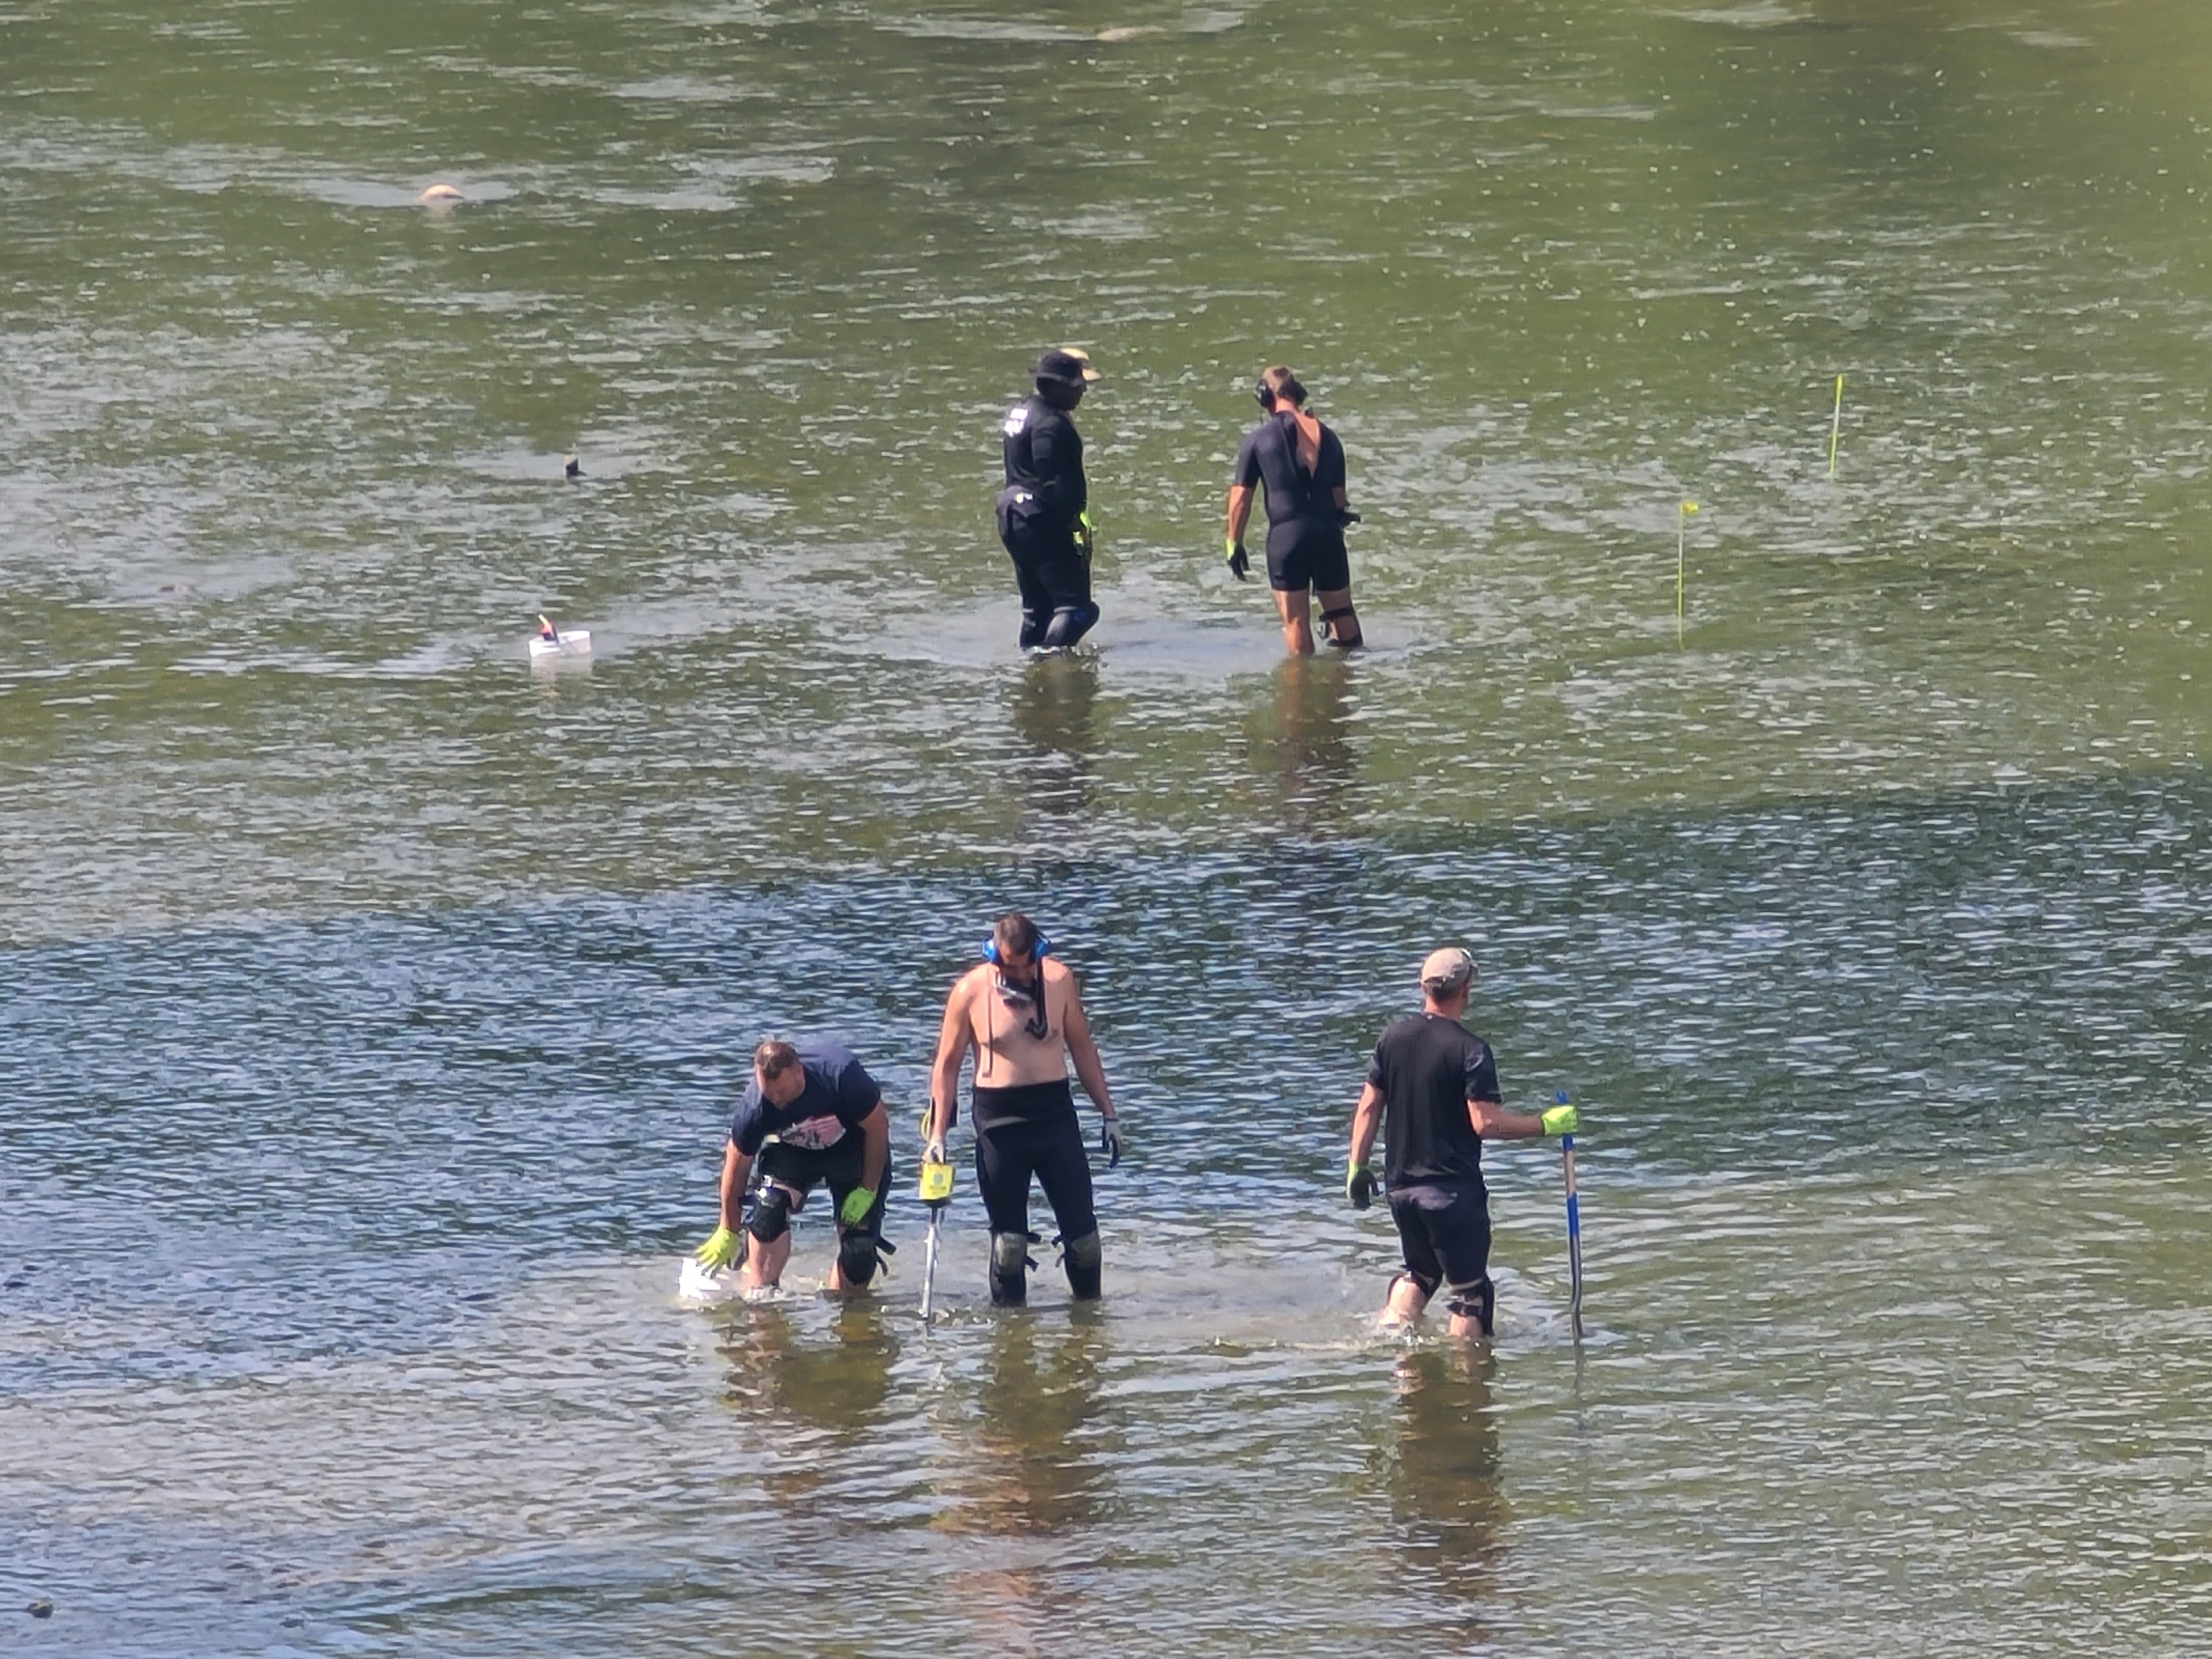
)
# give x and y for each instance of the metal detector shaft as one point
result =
(1574, 1235)
(929, 1261)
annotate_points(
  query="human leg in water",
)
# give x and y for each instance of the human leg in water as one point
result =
(770, 1228)
(1002, 1176)
(862, 1247)
(1063, 1169)
(1036, 598)
(1298, 622)
(1070, 623)
(1338, 621)
(1067, 573)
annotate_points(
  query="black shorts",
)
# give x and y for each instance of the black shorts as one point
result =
(801, 1168)
(1445, 1229)
(1308, 553)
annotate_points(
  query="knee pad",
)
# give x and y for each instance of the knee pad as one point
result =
(856, 1257)
(1085, 1263)
(1070, 623)
(1009, 1264)
(1425, 1283)
(771, 1214)
(1478, 1302)
(1330, 621)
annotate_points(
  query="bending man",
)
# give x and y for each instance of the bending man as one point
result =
(811, 1114)
(1432, 1090)
(1021, 1017)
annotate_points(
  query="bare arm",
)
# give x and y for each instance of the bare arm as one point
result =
(1367, 1118)
(1085, 1052)
(1493, 1122)
(736, 1166)
(1240, 509)
(875, 1147)
(955, 1037)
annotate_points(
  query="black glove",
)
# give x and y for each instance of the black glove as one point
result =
(1239, 560)
(1345, 516)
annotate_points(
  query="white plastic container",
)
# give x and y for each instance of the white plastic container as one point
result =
(570, 642)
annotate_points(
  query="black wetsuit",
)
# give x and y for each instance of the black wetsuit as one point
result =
(1305, 528)
(1032, 1130)
(1428, 1067)
(1037, 512)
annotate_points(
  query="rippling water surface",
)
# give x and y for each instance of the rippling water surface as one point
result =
(371, 1005)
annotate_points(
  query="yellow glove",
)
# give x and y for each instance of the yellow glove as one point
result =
(719, 1251)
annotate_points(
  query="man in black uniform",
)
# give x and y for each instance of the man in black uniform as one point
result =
(1300, 463)
(1044, 511)
(1432, 1090)
(811, 1114)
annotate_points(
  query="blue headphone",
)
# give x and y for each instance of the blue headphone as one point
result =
(991, 949)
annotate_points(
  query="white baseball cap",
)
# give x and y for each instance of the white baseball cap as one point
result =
(1446, 970)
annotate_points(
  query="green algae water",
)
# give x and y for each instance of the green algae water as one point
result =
(372, 1004)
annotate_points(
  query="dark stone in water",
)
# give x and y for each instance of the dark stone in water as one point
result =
(40, 1609)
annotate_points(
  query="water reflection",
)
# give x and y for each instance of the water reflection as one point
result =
(1030, 1483)
(1301, 748)
(1054, 708)
(1445, 1479)
(1036, 1471)
(831, 1390)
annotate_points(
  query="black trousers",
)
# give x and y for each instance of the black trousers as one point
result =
(1054, 579)
(1008, 1154)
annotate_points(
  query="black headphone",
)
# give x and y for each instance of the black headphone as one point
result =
(1266, 398)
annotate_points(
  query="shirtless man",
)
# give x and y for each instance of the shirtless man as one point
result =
(1021, 1017)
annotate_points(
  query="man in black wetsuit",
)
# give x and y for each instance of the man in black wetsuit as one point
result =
(1432, 1090)
(811, 1114)
(1044, 511)
(1301, 464)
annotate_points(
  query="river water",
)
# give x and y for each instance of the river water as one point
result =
(372, 1004)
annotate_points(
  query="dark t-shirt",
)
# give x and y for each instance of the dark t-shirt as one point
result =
(1270, 457)
(1428, 1067)
(1044, 456)
(839, 1093)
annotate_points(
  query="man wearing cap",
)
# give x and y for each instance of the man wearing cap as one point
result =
(811, 1114)
(1044, 516)
(1432, 1090)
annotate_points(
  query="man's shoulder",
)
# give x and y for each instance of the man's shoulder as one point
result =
(825, 1054)
(1432, 1034)
(1404, 1026)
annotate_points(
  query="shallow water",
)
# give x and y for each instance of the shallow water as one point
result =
(373, 1004)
